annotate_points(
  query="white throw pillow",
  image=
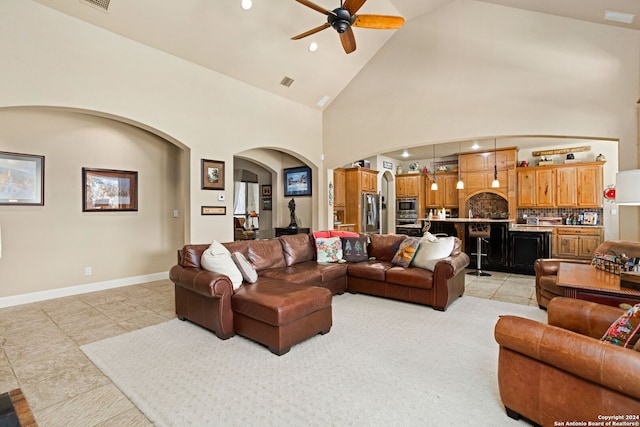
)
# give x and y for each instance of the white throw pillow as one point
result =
(217, 259)
(249, 273)
(431, 250)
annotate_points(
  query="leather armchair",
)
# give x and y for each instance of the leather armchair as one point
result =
(240, 233)
(547, 269)
(562, 371)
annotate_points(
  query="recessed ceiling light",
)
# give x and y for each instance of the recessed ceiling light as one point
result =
(405, 153)
(322, 101)
(246, 4)
(313, 46)
(625, 18)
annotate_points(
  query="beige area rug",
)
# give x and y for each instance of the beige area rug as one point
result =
(384, 363)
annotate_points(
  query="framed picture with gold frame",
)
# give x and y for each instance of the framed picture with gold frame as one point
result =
(212, 174)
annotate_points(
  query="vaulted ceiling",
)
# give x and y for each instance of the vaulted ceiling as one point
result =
(255, 46)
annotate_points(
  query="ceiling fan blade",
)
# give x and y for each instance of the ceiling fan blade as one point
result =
(311, 31)
(380, 22)
(348, 40)
(316, 7)
(353, 5)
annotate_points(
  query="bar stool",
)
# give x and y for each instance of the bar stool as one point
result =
(481, 231)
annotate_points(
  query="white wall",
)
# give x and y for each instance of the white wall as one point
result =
(52, 59)
(48, 247)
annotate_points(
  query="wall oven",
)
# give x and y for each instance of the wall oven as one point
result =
(407, 212)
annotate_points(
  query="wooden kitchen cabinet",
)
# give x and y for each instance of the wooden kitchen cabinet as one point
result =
(589, 178)
(338, 188)
(576, 242)
(564, 186)
(536, 187)
(446, 195)
(357, 181)
(408, 186)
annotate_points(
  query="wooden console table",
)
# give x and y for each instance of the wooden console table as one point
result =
(283, 231)
(584, 281)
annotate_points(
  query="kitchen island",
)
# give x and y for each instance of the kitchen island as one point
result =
(510, 248)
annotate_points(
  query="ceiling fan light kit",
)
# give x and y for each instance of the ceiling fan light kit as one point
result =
(344, 17)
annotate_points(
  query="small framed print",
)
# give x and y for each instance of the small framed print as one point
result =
(21, 179)
(212, 174)
(266, 190)
(266, 204)
(105, 190)
(213, 210)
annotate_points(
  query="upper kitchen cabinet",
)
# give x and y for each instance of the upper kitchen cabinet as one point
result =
(408, 186)
(590, 185)
(567, 186)
(446, 196)
(503, 159)
(536, 187)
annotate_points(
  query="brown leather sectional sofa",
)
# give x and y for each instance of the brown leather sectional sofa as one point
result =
(547, 269)
(207, 298)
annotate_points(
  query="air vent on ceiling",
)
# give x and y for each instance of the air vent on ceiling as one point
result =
(286, 81)
(98, 4)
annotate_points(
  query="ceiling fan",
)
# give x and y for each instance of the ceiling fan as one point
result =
(344, 17)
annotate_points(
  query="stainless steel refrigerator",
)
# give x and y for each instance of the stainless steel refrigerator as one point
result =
(370, 214)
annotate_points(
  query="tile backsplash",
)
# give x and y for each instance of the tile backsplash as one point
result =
(556, 213)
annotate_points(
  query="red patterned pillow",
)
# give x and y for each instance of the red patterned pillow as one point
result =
(625, 331)
(339, 233)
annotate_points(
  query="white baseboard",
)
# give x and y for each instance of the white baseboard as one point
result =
(80, 289)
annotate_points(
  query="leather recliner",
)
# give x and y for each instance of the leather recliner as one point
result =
(547, 269)
(562, 371)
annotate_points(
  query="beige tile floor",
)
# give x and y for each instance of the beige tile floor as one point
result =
(41, 354)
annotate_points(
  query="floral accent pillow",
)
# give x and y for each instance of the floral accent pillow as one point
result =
(625, 331)
(354, 249)
(328, 249)
(406, 252)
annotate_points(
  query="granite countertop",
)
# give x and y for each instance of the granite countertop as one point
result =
(466, 220)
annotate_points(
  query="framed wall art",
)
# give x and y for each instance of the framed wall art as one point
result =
(297, 181)
(212, 174)
(21, 179)
(213, 210)
(266, 204)
(266, 190)
(105, 190)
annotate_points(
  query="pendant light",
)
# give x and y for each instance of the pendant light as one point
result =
(495, 183)
(459, 184)
(434, 185)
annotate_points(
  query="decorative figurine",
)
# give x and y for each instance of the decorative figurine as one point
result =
(292, 214)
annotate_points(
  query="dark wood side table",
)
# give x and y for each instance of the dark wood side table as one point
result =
(585, 281)
(283, 231)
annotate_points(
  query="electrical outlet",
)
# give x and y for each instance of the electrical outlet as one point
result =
(87, 271)
(221, 197)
